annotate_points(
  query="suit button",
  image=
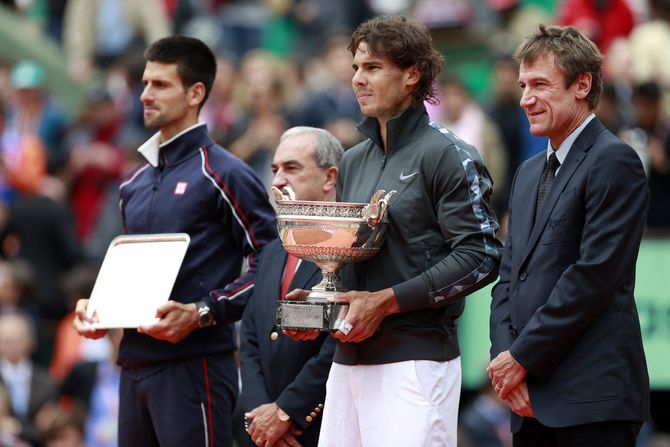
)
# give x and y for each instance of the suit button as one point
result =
(523, 276)
(274, 336)
(308, 418)
(313, 414)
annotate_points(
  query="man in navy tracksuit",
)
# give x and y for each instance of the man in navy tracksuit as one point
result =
(179, 379)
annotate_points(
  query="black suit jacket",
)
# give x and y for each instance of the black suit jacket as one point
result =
(564, 304)
(289, 372)
(42, 390)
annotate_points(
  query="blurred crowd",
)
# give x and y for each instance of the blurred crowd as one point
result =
(281, 63)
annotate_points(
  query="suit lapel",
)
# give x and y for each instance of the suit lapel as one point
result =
(529, 182)
(303, 276)
(275, 273)
(574, 158)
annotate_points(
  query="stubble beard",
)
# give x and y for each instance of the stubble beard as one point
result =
(389, 112)
(155, 122)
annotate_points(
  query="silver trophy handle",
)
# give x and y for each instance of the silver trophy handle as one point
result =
(284, 194)
(375, 212)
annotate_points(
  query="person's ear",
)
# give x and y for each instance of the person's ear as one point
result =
(196, 94)
(331, 178)
(583, 83)
(413, 75)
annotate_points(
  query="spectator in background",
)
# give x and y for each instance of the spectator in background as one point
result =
(649, 128)
(6, 192)
(220, 111)
(65, 429)
(96, 33)
(17, 293)
(37, 226)
(69, 347)
(659, 188)
(241, 24)
(263, 112)
(306, 25)
(55, 14)
(650, 137)
(650, 45)
(10, 426)
(466, 118)
(484, 421)
(93, 385)
(17, 287)
(511, 120)
(35, 125)
(40, 230)
(609, 110)
(96, 163)
(29, 385)
(602, 21)
(331, 104)
(516, 19)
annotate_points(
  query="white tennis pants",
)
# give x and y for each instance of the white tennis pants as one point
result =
(404, 404)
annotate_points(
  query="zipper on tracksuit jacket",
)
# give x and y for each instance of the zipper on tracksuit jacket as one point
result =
(363, 270)
(155, 188)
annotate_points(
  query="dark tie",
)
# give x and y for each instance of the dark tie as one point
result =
(546, 180)
(289, 273)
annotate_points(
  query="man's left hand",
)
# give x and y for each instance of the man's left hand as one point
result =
(519, 401)
(366, 312)
(266, 428)
(177, 320)
(505, 374)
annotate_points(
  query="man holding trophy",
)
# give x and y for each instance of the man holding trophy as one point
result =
(284, 381)
(396, 374)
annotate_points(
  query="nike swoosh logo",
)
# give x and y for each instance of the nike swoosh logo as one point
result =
(404, 177)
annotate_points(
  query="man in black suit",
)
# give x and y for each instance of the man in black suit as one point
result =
(566, 342)
(29, 385)
(284, 381)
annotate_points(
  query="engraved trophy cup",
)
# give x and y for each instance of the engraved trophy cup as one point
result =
(329, 234)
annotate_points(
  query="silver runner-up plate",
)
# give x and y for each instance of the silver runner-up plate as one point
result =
(310, 315)
(136, 276)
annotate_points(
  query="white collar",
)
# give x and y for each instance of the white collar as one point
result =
(565, 146)
(18, 371)
(151, 147)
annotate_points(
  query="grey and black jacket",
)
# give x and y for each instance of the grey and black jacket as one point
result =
(440, 244)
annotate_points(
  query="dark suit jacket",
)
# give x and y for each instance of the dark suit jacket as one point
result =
(42, 390)
(564, 304)
(289, 372)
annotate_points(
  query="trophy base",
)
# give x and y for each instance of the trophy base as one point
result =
(310, 315)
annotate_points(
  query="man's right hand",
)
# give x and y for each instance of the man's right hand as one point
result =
(82, 323)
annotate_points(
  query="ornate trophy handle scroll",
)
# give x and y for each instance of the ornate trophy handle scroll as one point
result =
(286, 193)
(375, 211)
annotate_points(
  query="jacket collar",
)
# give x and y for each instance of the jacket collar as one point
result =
(399, 131)
(177, 147)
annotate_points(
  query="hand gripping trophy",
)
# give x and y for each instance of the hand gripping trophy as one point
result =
(329, 234)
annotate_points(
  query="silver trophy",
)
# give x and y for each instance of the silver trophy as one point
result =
(329, 234)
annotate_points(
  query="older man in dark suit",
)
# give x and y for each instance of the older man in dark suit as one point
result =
(284, 381)
(566, 342)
